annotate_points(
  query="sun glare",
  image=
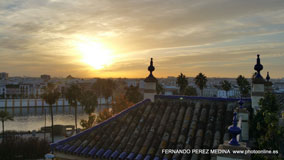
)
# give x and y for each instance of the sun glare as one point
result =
(94, 53)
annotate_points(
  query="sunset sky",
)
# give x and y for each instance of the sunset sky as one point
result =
(117, 38)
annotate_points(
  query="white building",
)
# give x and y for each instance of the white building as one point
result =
(31, 90)
(209, 92)
(231, 93)
(45, 77)
(132, 82)
(169, 90)
(2, 91)
(278, 87)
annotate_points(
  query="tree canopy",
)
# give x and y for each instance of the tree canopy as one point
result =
(73, 94)
(182, 82)
(120, 103)
(244, 86)
(226, 86)
(89, 101)
(4, 116)
(104, 88)
(265, 126)
(200, 81)
(133, 94)
(50, 94)
(190, 91)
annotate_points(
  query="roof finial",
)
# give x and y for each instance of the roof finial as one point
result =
(234, 130)
(258, 67)
(267, 77)
(151, 77)
(151, 68)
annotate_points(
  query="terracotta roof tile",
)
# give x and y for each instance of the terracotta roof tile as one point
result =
(142, 131)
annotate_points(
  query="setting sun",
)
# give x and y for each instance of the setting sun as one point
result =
(94, 53)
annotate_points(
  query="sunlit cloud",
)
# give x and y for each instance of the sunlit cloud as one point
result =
(92, 52)
(190, 36)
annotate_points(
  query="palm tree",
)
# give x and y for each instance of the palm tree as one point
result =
(50, 95)
(182, 83)
(73, 95)
(226, 86)
(108, 89)
(98, 87)
(200, 81)
(89, 100)
(113, 85)
(244, 86)
(4, 116)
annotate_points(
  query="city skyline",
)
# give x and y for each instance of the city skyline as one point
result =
(219, 38)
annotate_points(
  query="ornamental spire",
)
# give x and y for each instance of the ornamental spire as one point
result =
(267, 77)
(258, 67)
(151, 68)
(151, 77)
(234, 130)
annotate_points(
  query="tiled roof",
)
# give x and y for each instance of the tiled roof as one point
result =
(142, 131)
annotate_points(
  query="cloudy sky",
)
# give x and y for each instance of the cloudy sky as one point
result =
(112, 38)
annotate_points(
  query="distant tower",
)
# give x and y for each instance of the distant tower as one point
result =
(257, 85)
(150, 84)
(267, 77)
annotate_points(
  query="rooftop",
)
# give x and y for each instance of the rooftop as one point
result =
(146, 128)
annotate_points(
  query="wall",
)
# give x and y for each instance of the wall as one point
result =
(38, 102)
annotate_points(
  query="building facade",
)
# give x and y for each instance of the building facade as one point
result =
(4, 76)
